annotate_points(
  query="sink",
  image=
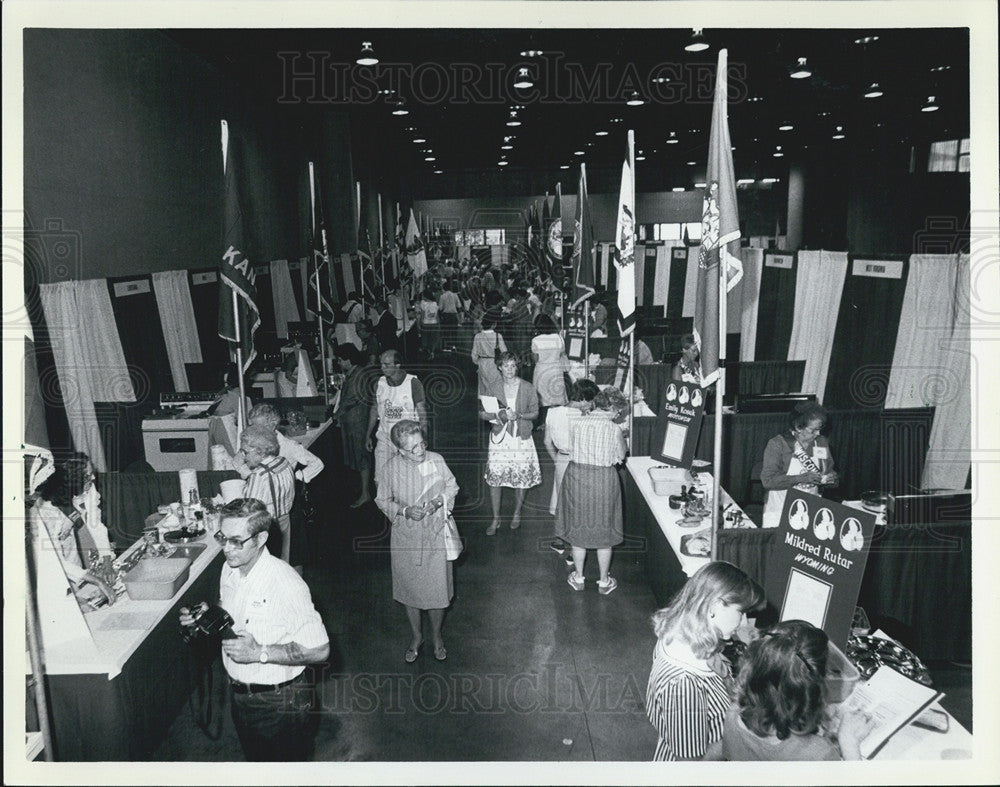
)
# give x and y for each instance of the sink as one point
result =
(189, 551)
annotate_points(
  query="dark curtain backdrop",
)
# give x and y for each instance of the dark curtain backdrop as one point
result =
(775, 310)
(205, 300)
(865, 340)
(265, 298)
(768, 377)
(678, 278)
(649, 280)
(138, 318)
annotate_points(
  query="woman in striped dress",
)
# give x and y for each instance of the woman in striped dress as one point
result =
(690, 684)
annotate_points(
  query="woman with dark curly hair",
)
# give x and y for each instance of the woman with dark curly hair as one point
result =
(779, 710)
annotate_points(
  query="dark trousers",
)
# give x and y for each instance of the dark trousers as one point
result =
(276, 725)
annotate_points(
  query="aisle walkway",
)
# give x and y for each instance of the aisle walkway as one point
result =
(535, 671)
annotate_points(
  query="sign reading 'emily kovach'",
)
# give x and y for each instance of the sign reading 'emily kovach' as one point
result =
(815, 571)
(678, 424)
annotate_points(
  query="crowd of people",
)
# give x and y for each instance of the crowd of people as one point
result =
(771, 709)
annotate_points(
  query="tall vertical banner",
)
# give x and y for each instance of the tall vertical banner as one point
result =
(720, 234)
(554, 241)
(319, 298)
(415, 252)
(235, 270)
(583, 245)
(545, 218)
(625, 253)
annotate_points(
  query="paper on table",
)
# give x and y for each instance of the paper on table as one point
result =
(892, 700)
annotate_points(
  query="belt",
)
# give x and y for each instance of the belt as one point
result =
(260, 688)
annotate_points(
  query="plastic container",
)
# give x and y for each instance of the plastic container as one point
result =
(157, 578)
(841, 676)
(667, 480)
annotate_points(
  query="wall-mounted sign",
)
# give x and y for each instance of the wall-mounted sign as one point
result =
(879, 269)
(208, 277)
(135, 287)
(815, 571)
(779, 260)
(678, 424)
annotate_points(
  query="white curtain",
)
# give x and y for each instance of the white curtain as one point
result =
(88, 355)
(949, 452)
(180, 331)
(926, 322)
(661, 279)
(753, 262)
(607, 254)
(691, 283)
(464, 253)
(819, 284)
(286, 309)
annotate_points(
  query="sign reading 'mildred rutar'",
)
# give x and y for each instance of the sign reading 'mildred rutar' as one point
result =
(815, 571)
(678, 424)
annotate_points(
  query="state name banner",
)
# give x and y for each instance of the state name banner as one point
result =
(678, 424)
(816, 567)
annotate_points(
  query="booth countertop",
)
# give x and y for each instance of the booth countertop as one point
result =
(119, 630)
(667, 517)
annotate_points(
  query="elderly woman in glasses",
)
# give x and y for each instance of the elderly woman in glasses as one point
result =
(798, 458)
(417, 494)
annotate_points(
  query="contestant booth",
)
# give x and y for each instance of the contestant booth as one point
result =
(914, 581)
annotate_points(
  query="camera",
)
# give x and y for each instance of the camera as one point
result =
(208, 623)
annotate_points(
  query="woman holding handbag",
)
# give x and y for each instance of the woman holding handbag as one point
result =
(512, 460)
(417, 495)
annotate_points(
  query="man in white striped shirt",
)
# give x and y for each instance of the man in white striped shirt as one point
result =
(271, 479)
(277, 633)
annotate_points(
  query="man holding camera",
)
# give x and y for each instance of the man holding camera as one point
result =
(276, 633)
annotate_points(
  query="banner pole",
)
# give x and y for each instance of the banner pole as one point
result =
(720, 388)
(631, 336)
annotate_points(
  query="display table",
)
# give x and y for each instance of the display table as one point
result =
(914, 743)
(650, 517)
(118, 705)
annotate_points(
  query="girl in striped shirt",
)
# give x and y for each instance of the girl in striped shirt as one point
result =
(690, 683)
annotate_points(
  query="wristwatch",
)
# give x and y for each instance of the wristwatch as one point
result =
(263, 654)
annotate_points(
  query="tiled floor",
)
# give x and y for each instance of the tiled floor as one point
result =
(535, 671)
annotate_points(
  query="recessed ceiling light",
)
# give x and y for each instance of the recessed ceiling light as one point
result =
(941, 68)
(635, 100)
(866, 40)
(419, 140)
(578, 153)
(873, 91)
(367, 56)
(429, 158)
(697, 42)
(564, 166)
(800, 70)
(786, 126)
(506, 147)
(438, 171)
(755, 99)
(517, 106)
(661, 80)
(532, 53)
(640, 158)
(691, 163)
(501, 163)
(600, 133)
(616, 120)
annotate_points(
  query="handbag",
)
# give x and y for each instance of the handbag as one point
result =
(452, 540)
(496, 352)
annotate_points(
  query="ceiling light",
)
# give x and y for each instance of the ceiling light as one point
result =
(839, 133)
(691, 163)
(616, 120)
(517, 106)
(777, 152)
(512, 120)
(768, 181)
(509, 137)
(661, 80)
(786, 126)
(439, 172)
(400, 108)
(419, 140)
(873, 91)
(635, 100)
(930, 105)
(755, 99)
(523, 81)
(501, 163)
(600, 133)
(429, 158)
(578, 153)
(800, 70)
(672, 139)
(506, 147)
(700, 185)
(866, 40)
(678, 188)
(367, 56)
(532, 53)
(941, 68)
(564, 166)
(744, 181)
(697, 42)
(640, 158)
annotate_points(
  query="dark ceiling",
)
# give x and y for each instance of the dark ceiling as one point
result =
(457, 87)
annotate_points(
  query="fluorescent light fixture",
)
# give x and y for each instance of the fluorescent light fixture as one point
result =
(439, 172)
(744, 181)
(678, 188)
(601, 133)
(635, 100)
(800, 70)
(768, 181)
(429, 158)
(578, 153)
(506, 147)
(501, 163)
(419, 140)
(777, 152)
(564, 166)
(523, 81)
(873, 91)
(697, 42)
(839, 133)
(700, 185)
(367, 56)
(930, 105)
(786, 126)
(672, 139)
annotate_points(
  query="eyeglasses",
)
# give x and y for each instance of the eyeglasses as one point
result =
(413, 449)
(236, 543)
